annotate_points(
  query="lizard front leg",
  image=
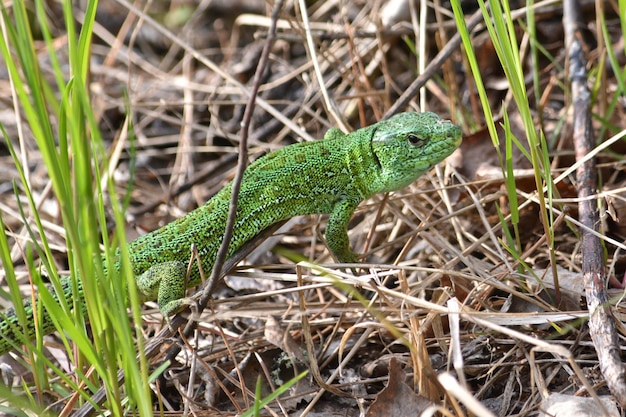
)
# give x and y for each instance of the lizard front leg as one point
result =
(167, 283)
(337, 231)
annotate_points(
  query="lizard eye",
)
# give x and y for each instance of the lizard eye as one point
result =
(416, 140)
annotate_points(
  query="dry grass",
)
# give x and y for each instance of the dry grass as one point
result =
(439, 292)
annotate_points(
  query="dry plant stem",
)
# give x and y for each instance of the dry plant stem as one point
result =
(330, 105)
(212, 66)
(313, 365)
(434, 65)
(539, 346)
(601, 319)
(462, 394)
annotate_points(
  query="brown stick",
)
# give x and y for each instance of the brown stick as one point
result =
(601, 319)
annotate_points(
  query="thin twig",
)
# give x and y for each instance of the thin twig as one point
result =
(212, 66)
(433, 67)
(243, 159)
(216, 273)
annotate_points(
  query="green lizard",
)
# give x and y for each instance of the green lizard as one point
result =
(331, 176)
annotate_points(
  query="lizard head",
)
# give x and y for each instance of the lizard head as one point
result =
(409, 144)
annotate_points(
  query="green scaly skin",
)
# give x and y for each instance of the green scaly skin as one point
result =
(330, 176)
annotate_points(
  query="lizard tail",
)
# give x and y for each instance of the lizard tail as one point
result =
(14, 333)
